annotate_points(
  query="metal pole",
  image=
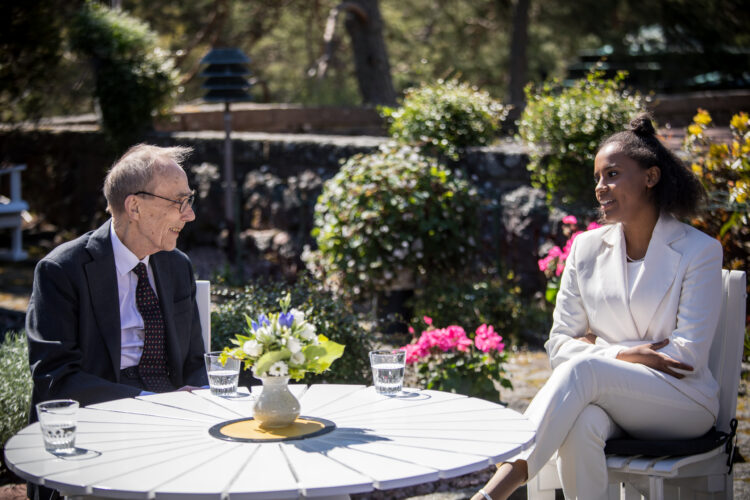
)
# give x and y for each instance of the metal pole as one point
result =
(228, 170)
(229, 208)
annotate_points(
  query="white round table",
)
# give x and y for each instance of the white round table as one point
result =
(159, 446)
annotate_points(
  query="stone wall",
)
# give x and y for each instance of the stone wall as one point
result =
(279, 177)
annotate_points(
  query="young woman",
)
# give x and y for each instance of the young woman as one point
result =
(632, 328)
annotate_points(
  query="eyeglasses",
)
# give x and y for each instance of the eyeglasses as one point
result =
(183, 203)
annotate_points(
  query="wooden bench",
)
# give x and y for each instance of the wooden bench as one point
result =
(11, 212)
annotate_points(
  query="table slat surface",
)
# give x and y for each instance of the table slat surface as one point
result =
(158, 446)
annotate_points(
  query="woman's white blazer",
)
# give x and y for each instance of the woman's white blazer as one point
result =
(677, 296)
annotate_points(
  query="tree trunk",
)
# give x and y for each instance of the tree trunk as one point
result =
(365, 27)
(518, 59)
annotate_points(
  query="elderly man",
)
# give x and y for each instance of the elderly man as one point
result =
(113, 313)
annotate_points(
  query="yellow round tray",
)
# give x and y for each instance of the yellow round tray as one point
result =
(248, 430)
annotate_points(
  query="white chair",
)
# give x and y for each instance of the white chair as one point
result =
(702, 476)
(11, 213)
(203, 298)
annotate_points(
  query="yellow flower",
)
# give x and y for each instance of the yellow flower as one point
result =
(718, 151)
(740, 122)
(702, 118)
(697, 170)
(695, 129)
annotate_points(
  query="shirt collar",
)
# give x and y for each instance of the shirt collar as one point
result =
(125, 260)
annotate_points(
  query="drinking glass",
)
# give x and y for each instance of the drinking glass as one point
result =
(222, 378)
(388, 370)
(58, 419)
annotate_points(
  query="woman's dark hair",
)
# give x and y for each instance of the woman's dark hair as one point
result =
(678, 191)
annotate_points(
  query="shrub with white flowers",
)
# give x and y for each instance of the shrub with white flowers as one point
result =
(283, 344)
(392, 212)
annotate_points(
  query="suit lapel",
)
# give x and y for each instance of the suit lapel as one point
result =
(165, 290)
(102, 281)
(659, 271)
(615, 287)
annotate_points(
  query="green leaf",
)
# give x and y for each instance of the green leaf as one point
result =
(269, 358)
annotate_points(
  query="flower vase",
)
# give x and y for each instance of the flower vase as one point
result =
(276, 406)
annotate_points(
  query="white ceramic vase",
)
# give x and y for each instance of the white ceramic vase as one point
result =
(276, 406)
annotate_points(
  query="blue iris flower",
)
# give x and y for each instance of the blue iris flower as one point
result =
(262, 321)
(286, 319)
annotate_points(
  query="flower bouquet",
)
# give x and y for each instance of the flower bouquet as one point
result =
(448, 359)
(283, 344)
(278, 346)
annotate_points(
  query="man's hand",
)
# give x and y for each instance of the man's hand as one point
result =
(189, 388)
(646, 354)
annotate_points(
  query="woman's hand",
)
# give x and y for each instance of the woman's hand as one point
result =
(646, 354)
(589, 338)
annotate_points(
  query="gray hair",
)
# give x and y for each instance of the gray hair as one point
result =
(135, 170)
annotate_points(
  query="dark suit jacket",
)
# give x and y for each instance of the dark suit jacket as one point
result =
(73, 322)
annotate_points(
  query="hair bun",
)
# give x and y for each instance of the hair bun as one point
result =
(642, 125)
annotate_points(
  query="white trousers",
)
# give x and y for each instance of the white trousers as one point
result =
(590, 399)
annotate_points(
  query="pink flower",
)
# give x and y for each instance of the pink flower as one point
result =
(570, 219)
(411, 330)
(414, 352)
(487, 339)
(427, 320)
(593, 225)
(554, 252)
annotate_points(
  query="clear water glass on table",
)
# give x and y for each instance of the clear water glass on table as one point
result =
(388, 370)
(222, 377)
(58, 419)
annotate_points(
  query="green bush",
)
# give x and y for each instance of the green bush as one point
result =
(135, 79)
(331, 317)
(490, 299)
(445, 117)
(15, 385)
(563, 128)
(389, 213)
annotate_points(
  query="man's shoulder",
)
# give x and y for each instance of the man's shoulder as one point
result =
(71, 252)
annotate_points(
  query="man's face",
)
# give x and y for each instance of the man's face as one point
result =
(160, 221)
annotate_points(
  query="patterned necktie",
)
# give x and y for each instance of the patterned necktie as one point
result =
(153, 364)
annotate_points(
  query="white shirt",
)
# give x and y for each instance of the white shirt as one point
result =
(131, 322)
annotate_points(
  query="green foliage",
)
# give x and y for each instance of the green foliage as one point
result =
(563, 128)
(457, 372)
(445, 117)
(31, 47)
(724, 170)
(135, 79)
(15, 385)
(484, 299)
(331, 317)
(389, 213)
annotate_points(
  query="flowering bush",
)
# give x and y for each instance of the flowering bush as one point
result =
(447, 359)
(563, 128)
(390, 212)
(446, 117)
(554, 262)
(724, 170)
(283, 343)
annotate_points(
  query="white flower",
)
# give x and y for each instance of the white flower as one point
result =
(298, 358)
(264, 334)
(299, 316)
(293, 345)
(253, 348)
(308, 332)
(278, 369)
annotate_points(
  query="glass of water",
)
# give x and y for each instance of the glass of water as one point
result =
(222, 378)
(388, 370)
(58, 419)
